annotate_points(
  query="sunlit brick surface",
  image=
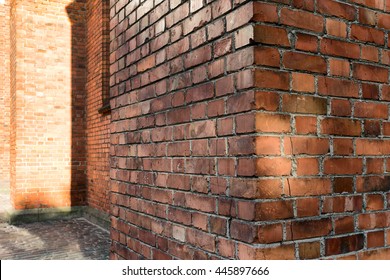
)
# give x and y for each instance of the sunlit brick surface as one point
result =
(47, 104)
(59, 78)
(250, 129)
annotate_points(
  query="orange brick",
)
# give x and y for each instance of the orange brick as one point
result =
(306, 125)
(339, 67)
(336, 28)
(307, 166)
(302, 82)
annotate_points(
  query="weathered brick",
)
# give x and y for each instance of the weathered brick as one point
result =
(303, 82)
(372, 147)
(309, 228)
(336, 28)
(267, 56)
(284, 252)
(342, 146)
(239, 18)
(370, 53)
(265, 211)
(306, 42)
(306, 145)
(339, 48)
(309, 250)
(337, 87)
(307, 5)
(341, 204)
(343, 165)
(301, 19)
(265, 12)
(307, 207)
(339, 67)
(272, 79)
(266, 122)
(303, 104)
(372, 183)
(340, 107)
(308, 187)
(267, 101)
(340, 126)
(342, 245)
(333, 8)
(273, 166)
(371, 110)
(370, 73)
(306, 125)
(367, 34)
(271, 35)
(307, 166)
(299, 61)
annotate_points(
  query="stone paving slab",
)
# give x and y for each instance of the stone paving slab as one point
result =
(75, 239)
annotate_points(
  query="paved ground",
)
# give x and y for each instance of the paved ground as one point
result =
(75, 239)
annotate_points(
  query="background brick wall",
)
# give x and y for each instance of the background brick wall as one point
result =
(47, 103)
(97, 89)
(4, 96)
(249, 130)
(12, 137)
(58, 80)
(239, 129)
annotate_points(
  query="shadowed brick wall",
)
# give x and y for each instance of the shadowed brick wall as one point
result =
(4, 96)
(250, 129)
(97, 88)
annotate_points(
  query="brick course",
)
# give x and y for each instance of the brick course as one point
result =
(97, 94)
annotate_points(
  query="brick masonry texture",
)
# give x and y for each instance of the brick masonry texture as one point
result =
(4, 95)
(47, 104)
(209, 129)
(56, 78)
(249, 129)
(97, 90)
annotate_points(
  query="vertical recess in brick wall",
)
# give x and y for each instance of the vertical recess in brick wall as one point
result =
(250, 129)
(97, 88)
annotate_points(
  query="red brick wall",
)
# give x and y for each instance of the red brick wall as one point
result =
(321, 147)
(47, 103)
(249, 130)
(98, 133)
(59, 66)
(4, 95)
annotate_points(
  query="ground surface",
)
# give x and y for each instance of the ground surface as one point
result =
(75, 239)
